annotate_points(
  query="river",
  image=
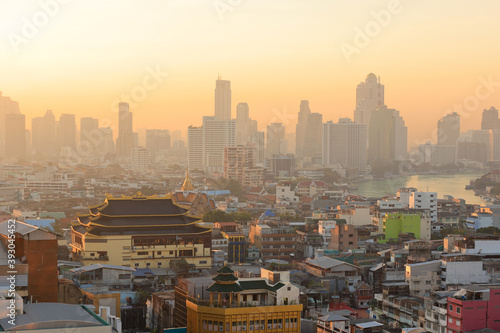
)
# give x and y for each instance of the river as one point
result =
(453, 185)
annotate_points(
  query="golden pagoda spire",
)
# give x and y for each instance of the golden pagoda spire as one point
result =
(187, 185)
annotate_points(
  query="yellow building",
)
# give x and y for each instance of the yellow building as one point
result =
(140, 232)
(246, 305)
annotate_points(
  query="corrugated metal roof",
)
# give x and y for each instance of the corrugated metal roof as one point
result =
(82, 269)
(20, 227)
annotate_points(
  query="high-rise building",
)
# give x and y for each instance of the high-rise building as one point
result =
(15, 140)
(125, 140)
(414, 199)
(157, 141)
(388, 137)
(217, 134)
(344, 143)
(195, 148)
(206, 144)
(276, 143)
(222, 99)
(7, 106)
(301, 128)
(43, 133)
(283, 166)
(90, 136)
(369, 96)
(239, 164)
(490, 119)
(259, 141)
(312, 142)
(437, 154)
(108, 142)
(449, 129)
(66, 132)
(140, 158)
(245, 126)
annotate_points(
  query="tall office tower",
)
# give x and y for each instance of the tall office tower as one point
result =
(15, 139)
(43, 133)
(195, 148)
(449, 129)
(108, 142)
(217, 134)
(388, 137)
(7, 106)
(490, 120)
(222, 99)
(125, 140)
(301, 128)
(344, 143)
(258, 139)
(245, 126)
(90, 136)
(312, 142)
(157, 141)
(66, 131)
(276, 144)
(369, 96)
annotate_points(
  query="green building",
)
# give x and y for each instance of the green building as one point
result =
(400, 223)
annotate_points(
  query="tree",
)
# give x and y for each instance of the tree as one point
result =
(330, 176)
(217, 216)
(488, 230)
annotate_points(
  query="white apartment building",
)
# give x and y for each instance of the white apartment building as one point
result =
(140, 158)
(412, 198)
(423, 278)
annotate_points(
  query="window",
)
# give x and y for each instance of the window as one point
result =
(158, 253)
(124, 276)
(171, 252)
(142, 253)
(289, 288)
(136, 264)
(451, 307)
(159, 264)
(92, 254)
(458, 310)
(148, 264)
(203, 262)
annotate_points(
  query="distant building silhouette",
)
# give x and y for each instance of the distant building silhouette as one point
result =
(222, 99)
(15, 139)
(449, 129)
(125, 140)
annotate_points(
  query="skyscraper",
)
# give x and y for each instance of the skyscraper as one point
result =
(15, 140)
(125, 139)
(301, 128)
(66, 131)
(490, 120)
(275, 139)
(206, 144)
(344, 143)
(217, 134)
(369, 96)
(449, 129)
(312, 142)
(195, 148)
(43, 133)
(388, 137)
(245, 126)
(222, 99)
(7, 106)
(90, 137)
(157, 141)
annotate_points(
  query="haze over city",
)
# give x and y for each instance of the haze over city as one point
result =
(275, 54)
(280, 166)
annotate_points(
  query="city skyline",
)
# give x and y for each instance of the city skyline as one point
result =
(307, 65)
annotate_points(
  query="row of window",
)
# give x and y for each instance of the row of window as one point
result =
(148, 264)
(252, 325)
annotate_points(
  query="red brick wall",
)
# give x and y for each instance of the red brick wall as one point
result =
(41, 256)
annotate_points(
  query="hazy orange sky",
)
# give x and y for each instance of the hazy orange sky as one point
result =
(430, 56)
